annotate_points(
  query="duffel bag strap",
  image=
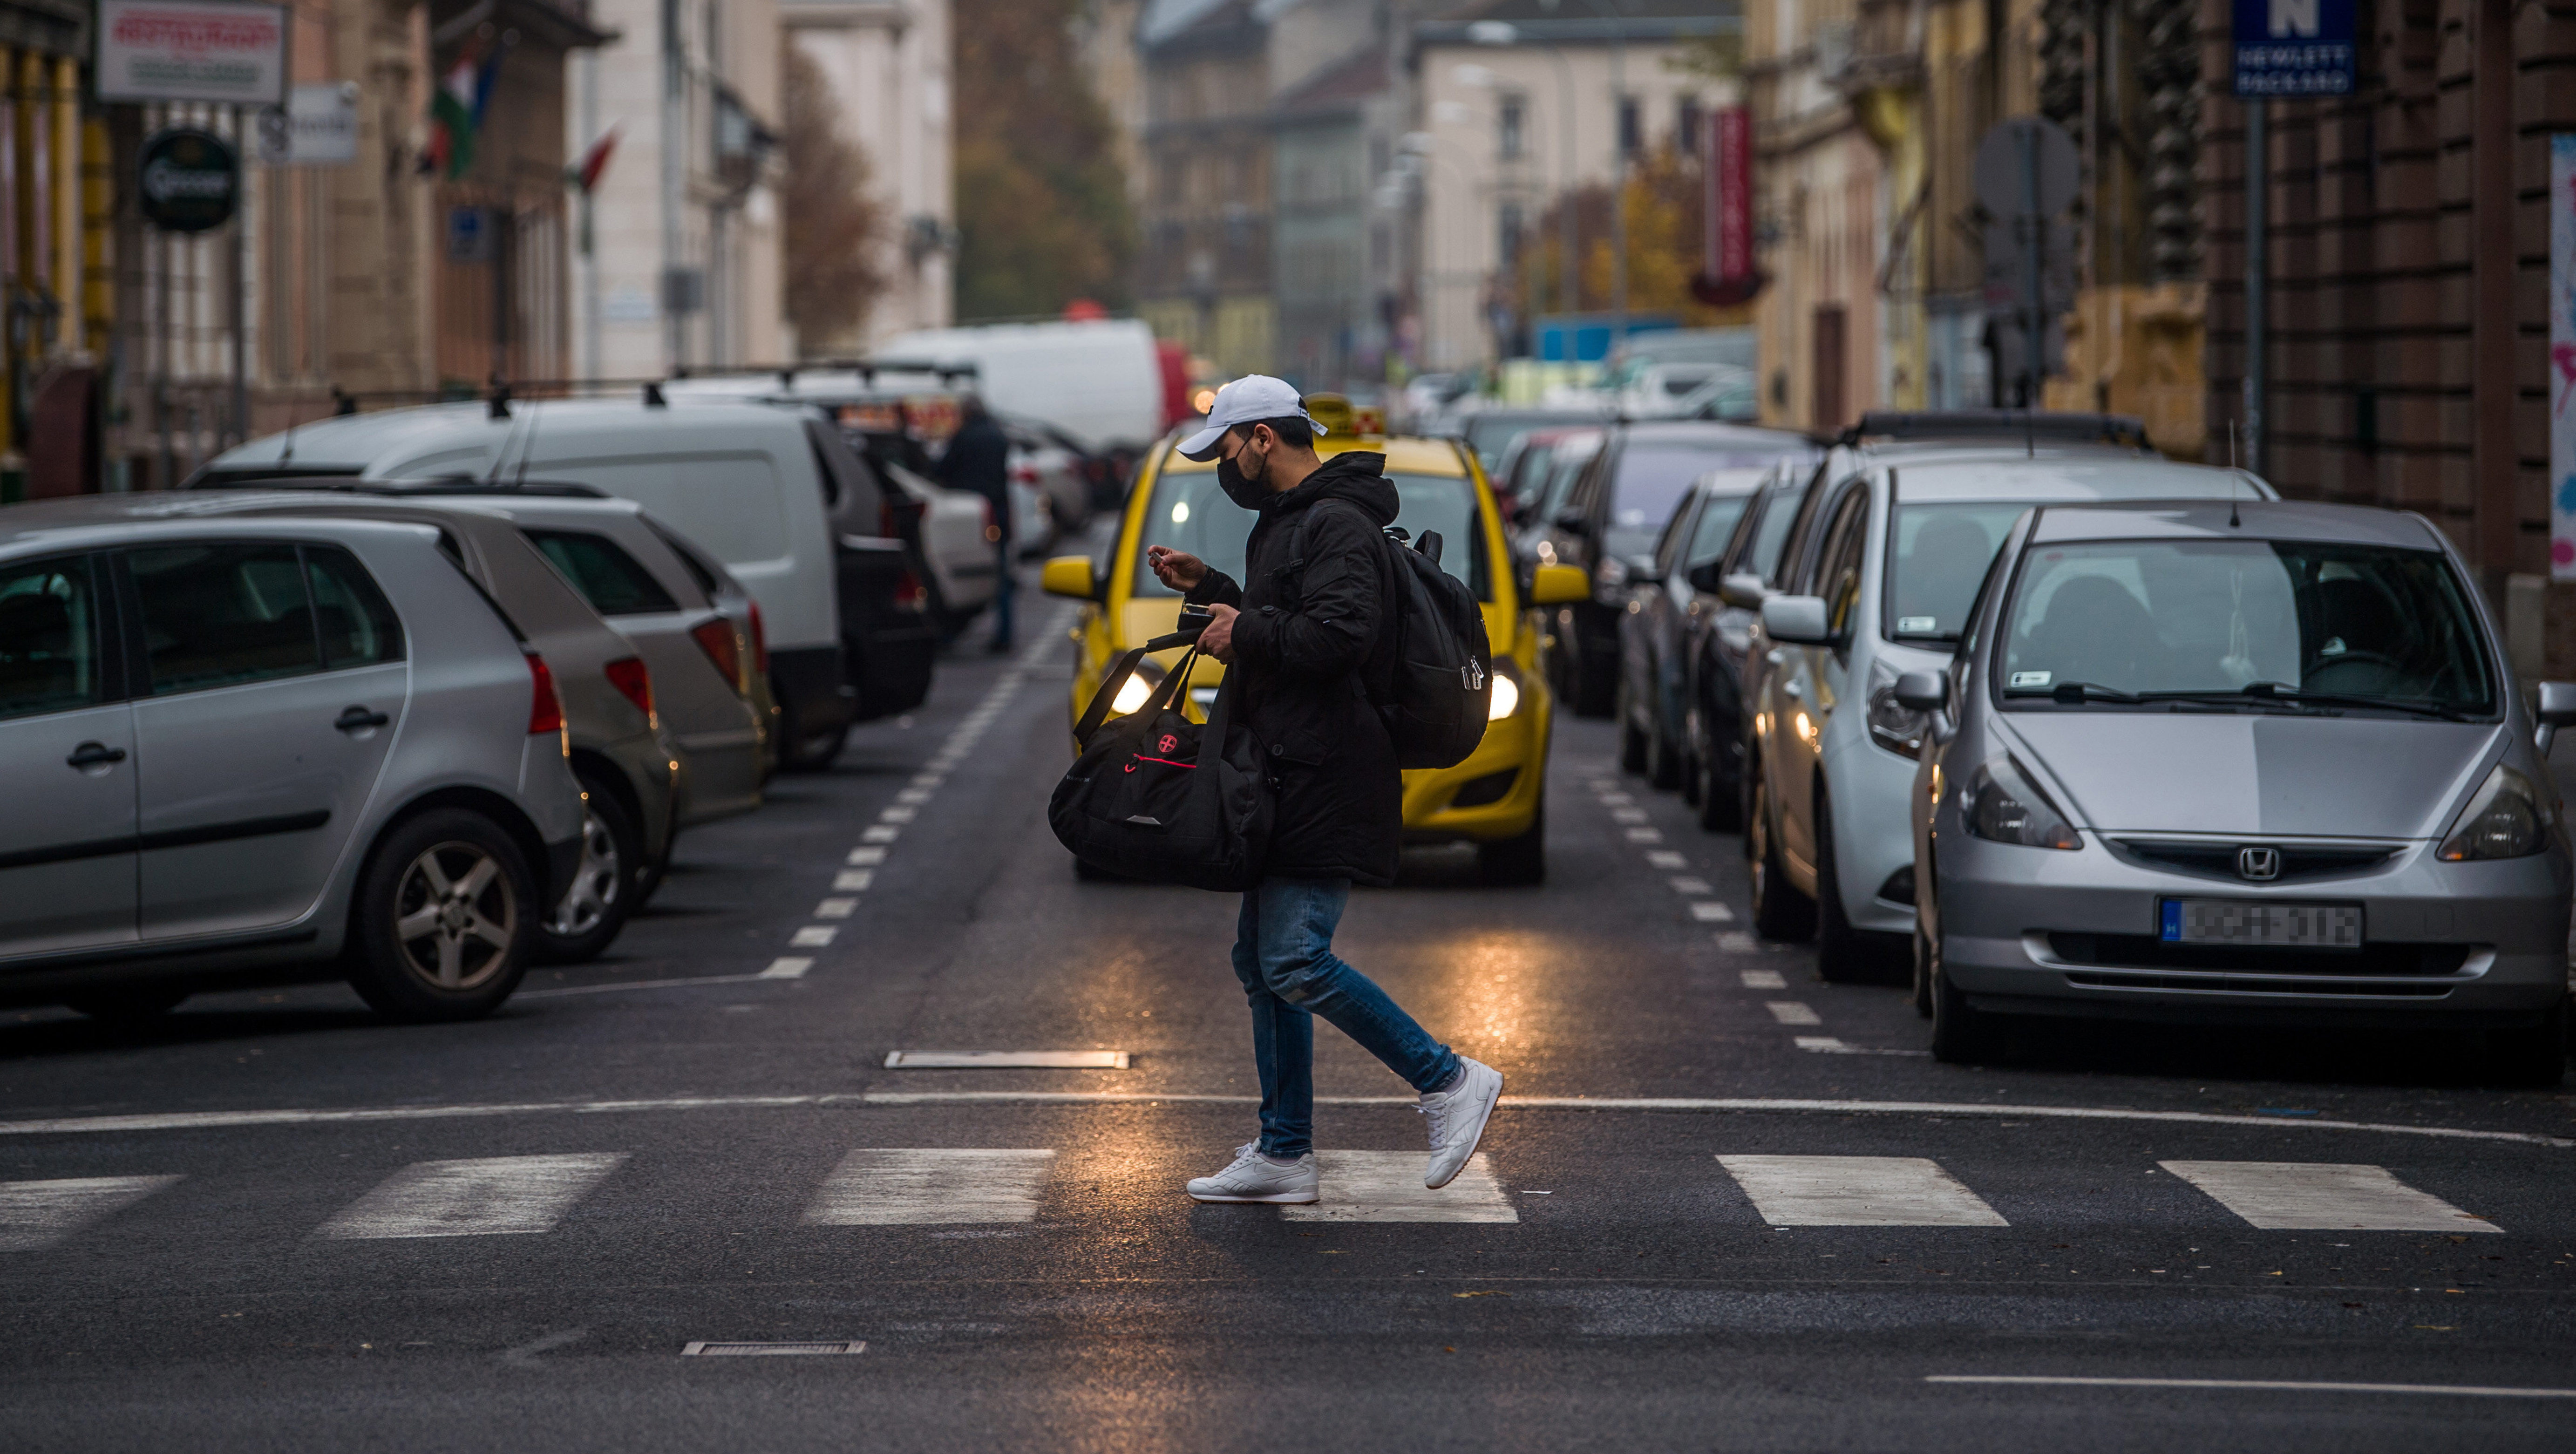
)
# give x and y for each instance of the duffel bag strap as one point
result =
(1098, 711)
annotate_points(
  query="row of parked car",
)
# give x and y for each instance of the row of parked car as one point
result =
(2013, 707)
(420, 697)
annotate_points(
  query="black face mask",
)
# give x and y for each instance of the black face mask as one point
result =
(1239, 487)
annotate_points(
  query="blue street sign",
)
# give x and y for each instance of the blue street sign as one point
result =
(2294, 47)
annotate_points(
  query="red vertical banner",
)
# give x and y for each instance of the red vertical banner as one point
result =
(1728, 273)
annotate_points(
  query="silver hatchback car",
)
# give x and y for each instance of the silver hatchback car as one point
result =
(2256, 763)
(261, 751)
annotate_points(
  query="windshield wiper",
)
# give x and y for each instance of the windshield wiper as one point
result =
(2292, 696)
(2075, 693)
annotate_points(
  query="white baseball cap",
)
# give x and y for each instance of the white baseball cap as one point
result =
(1252, 399)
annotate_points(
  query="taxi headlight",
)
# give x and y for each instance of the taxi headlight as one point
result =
(2505, 818)
(2000, 804)
(1506, 699)
(1133, 692)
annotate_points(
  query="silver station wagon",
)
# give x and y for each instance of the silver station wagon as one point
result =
(2258, 762)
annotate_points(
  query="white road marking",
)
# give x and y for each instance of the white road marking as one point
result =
(881, 834)
(2264, 1384)
(1603, 785)
(1672, 1105)
(2323, 1196)
(1006, 1060)
(917, 1186)
(866, 856)
(898, 815)
(1828, 1045)
(708, 1348)
(620, 987)
(928, 779)
(836, 908)
(1645, 835)
(915, 795)
(853, 880)
(1616, 800)
(1710, 911)
(787, 966)
(1689, 885)
(1857, 1191)
(1666, 858)
(485, 1196)
(1790, 1012)
(1627, 815)
(38, 1214)
(1386, 1186)
(812, 936)
(1738, 944)
(1762, 979)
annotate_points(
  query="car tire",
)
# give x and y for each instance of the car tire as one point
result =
(805, 745)
(594, 907)
(457, 964)
(1519, 861)
(1960, 1035)
(1780, 912)
(1844, 955)
(1596, 678)
(1663, 763)
(2536, 1058)
(1721, 806)
(126, 1009)
(1927, 958)
(1632, 739)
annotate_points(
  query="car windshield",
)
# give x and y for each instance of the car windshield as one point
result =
(1491, 431)
(2219, 617)
(1650, 482)
(1189, 513)
(1937, 556)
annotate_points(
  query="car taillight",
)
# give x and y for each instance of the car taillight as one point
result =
(633, 682)
(716, 639)
(759, 642)
(908, 594)
(545, 709)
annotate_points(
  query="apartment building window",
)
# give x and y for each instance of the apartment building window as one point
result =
(1511, 129)
(1507, 239)
(1688, 124)
(1631, 127)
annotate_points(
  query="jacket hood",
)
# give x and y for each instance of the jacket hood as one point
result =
(2256, 773)
(1357, 475)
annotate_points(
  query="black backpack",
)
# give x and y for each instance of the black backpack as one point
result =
(1432, 676)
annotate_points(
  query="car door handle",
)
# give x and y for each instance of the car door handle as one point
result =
(1793, 689)
(353, 718)
(94, 754)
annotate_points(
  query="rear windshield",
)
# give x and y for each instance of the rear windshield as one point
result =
(1937, 556)
(1190, 514)
(2213, 618)
(615, 583)
(1492, 431)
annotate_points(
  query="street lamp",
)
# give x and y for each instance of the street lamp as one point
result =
(1504, 33)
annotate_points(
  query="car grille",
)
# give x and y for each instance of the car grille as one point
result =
(1493, 787)
(2135, 961)
(2298, 861)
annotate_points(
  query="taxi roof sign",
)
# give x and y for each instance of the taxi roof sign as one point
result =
(1339, 415)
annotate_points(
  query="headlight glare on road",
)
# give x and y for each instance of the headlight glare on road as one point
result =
(1895, 727)
(2507, 818)
(1506, 698)
(1999, 804)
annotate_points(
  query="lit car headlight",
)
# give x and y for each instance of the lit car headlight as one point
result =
(1507, 695)
(1897, 728)
(1139, 686)
(2506, 818)
(1999, 804)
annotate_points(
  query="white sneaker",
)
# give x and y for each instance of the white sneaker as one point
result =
(1457, 1116)
(1256, 1178)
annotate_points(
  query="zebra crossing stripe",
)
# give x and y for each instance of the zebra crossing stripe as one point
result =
(37, 1214)
(1386, 1186)
(480, 1197)
(879, 1187)
(1857, 1191)
(2324, 1197)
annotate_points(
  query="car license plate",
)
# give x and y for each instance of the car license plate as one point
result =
(2281, 926)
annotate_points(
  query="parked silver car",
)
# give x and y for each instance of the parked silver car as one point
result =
(241, 751)
(1884, 560)
(2239, 762)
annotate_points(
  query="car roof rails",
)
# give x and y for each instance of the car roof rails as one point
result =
(2055, 426)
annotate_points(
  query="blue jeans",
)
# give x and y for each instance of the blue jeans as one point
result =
(1283, 953)
(1002, 590)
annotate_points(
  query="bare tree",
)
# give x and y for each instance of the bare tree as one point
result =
(835, 224)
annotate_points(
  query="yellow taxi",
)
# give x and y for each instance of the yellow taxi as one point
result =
(1497, 798)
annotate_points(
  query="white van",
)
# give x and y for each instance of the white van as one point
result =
(777, 497)
(1100, 383)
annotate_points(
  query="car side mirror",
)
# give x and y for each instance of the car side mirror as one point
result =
(1796, 620)
(1069, 575)
(1922, 691)
(1640, 570)
(2557, 709)
(1743, 590)
(1556, 585)
(1703, 577)
(1573, 522)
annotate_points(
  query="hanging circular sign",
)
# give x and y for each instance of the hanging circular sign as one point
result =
(189, 180)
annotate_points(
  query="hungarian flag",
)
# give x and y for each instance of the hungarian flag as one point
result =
(595, 161)
(456, 108)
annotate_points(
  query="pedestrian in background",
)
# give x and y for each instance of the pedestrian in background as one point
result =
(979, 459)
(1299, 638)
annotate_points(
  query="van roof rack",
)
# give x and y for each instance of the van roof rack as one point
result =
(2055, 426)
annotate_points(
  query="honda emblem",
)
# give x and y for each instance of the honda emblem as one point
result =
(2258, 863)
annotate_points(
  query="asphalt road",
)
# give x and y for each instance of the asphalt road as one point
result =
(1724, 1205)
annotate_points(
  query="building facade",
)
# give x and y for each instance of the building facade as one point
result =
(889, 65)
(1205, 278)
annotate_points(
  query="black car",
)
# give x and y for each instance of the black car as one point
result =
(1491, 432)
(1609, 525)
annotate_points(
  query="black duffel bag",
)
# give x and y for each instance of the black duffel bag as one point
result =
(1157, 797)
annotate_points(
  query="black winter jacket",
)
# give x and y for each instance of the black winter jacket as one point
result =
(979, 459)
(1309, 626)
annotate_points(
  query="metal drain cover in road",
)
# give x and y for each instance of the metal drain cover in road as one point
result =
(1006, 1060)
(703, 1349)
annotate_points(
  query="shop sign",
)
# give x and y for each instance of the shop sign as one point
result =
(2562, 356)
(187, 180)
(191, 50)
(2293, 48)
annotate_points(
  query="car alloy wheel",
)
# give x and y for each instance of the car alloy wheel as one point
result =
(456, 916)
(595, 889)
